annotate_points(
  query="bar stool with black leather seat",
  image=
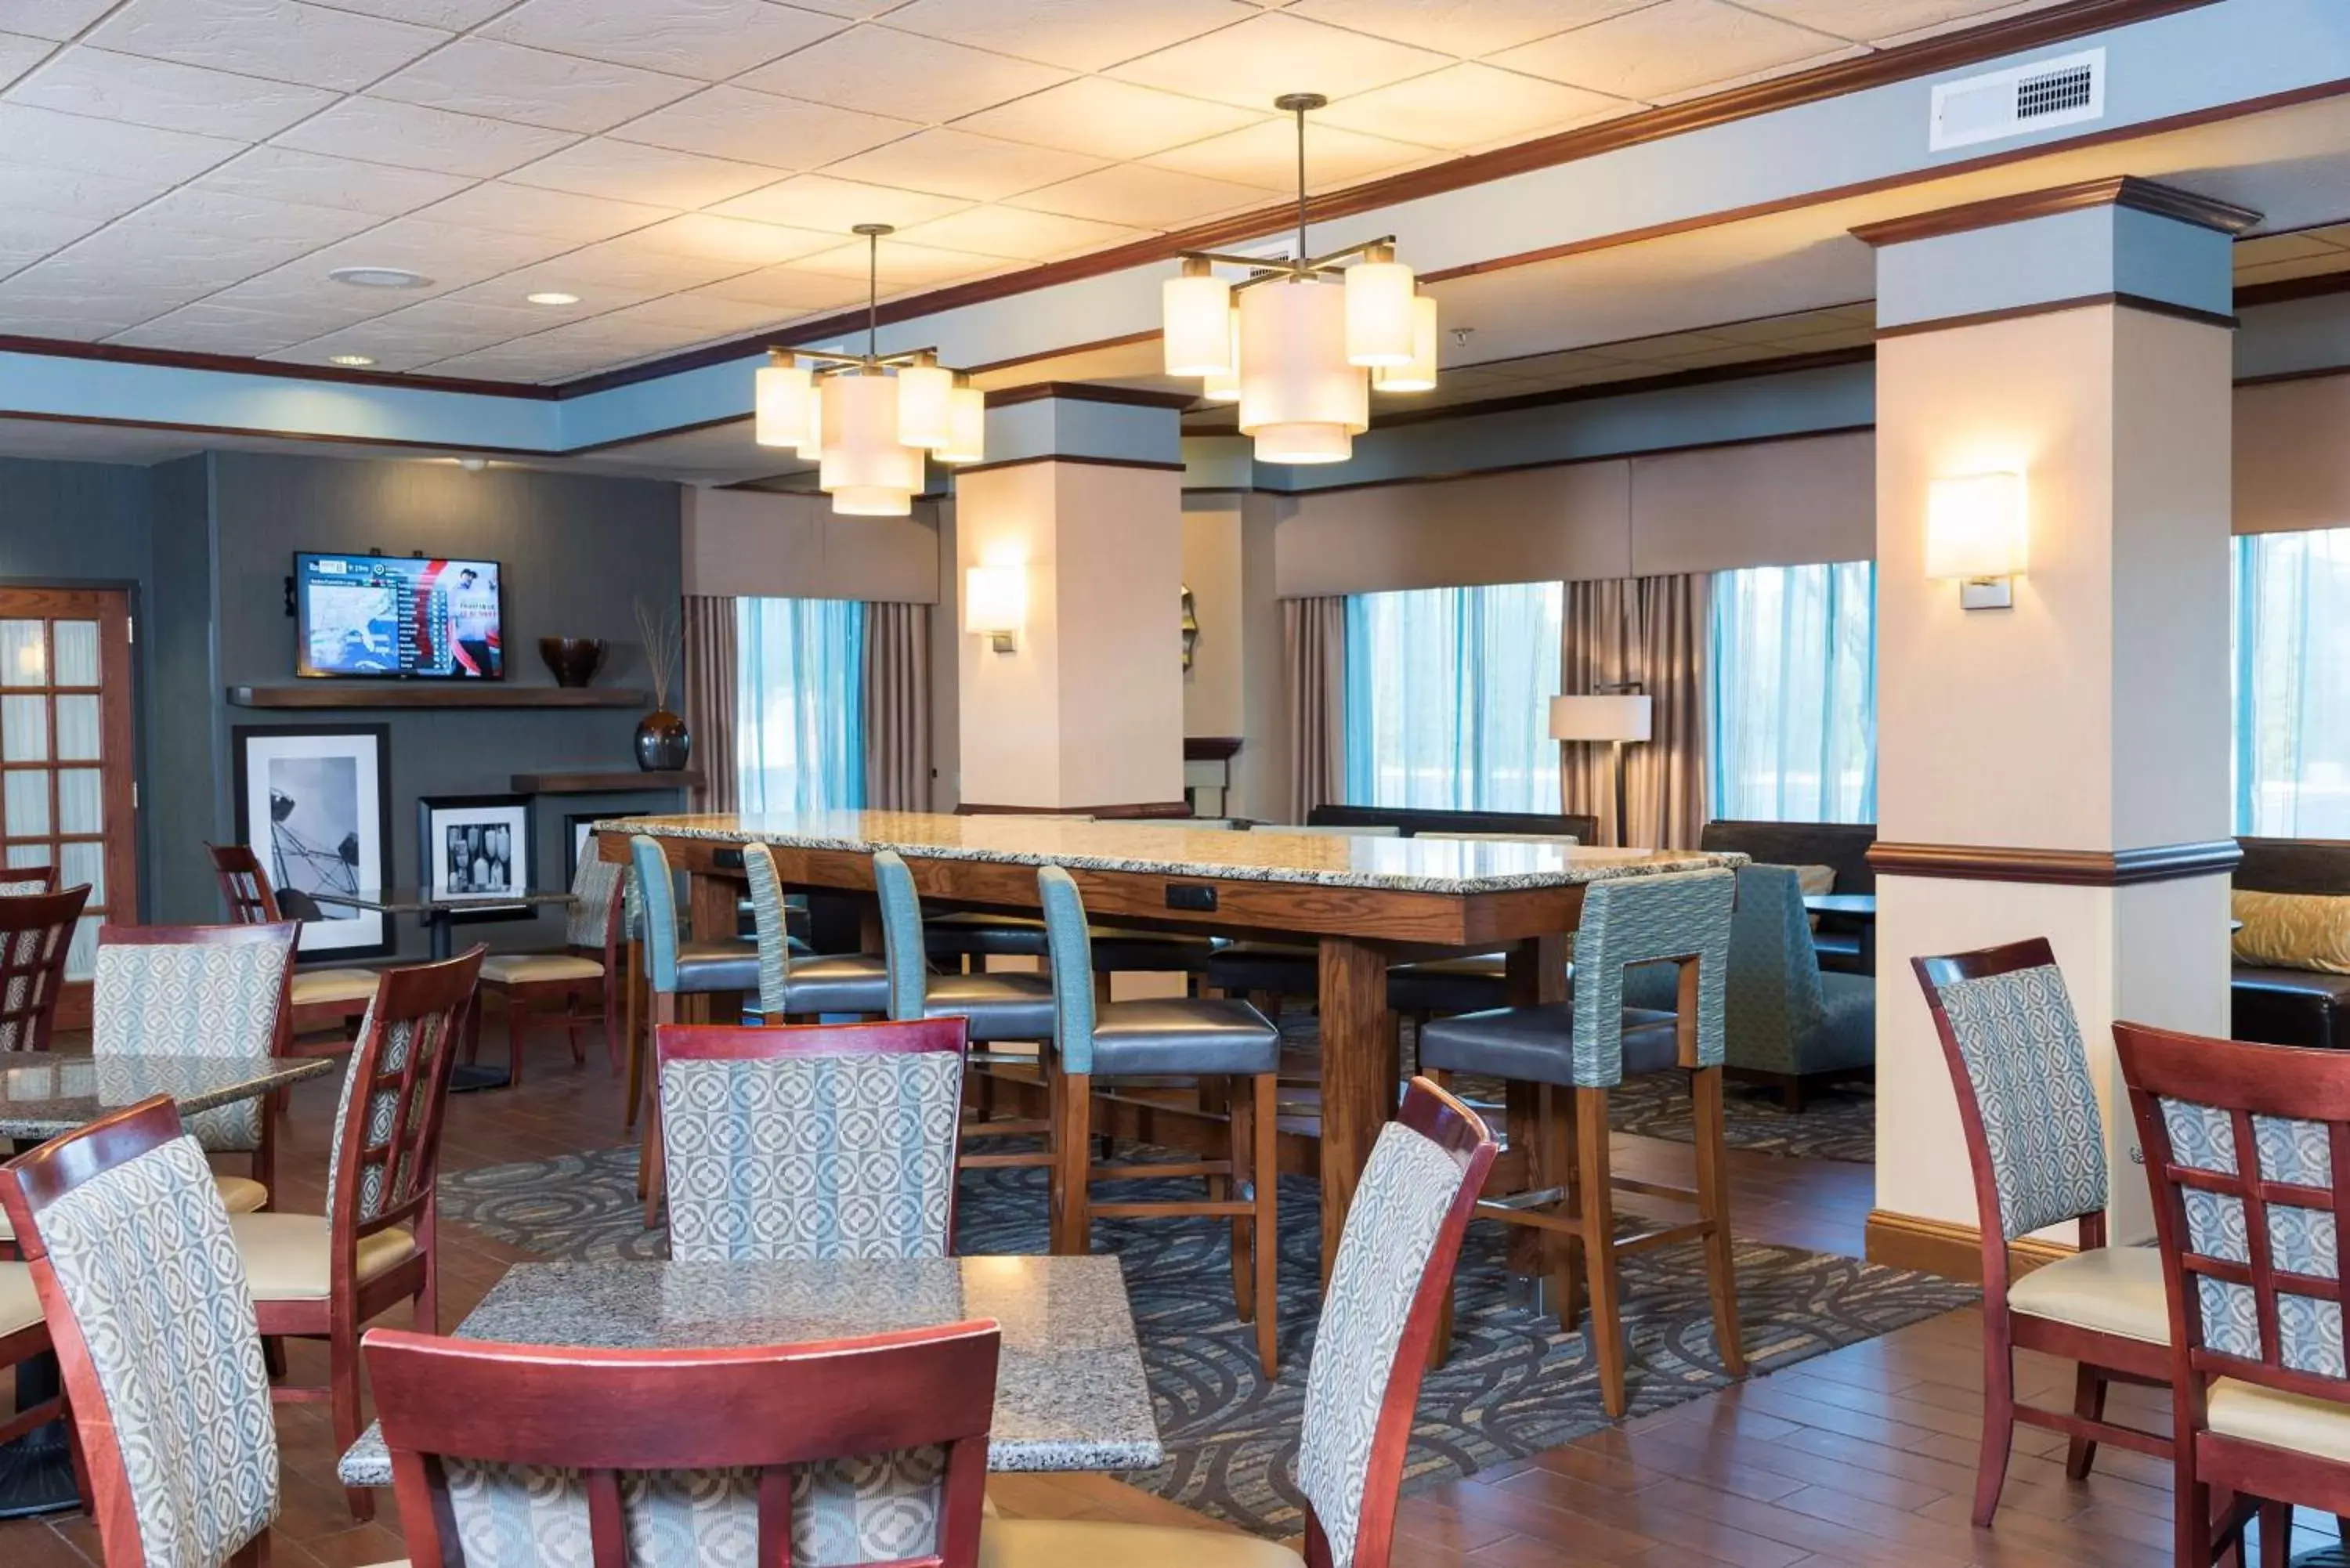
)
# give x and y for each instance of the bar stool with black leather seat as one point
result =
(1164, 1037)
(794, 988)
(1573, 1052)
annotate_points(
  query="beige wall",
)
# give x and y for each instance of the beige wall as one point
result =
(1212, 703)
(755, 543)
(1235, 684)
(2293, 455)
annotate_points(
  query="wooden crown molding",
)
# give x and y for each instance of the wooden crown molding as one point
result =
(2114, 191)
(1143, 462)
(239, 365)
(2284, 291)
(2052, 306)
(1084, 392)
(2069, 868)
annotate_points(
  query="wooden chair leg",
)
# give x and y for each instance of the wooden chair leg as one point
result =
(2088, 1403)
(1605, 1325)
(1238, 1098)
(1713, 1205)
(633, 1042)
(1558, 1169)
(574, 1019)
(343, 1396)
(428, 1293)
(1266, 1244)
(473, 1029)
(1998, 1420)
(1073, 1163)
(517, 1025)
(649, 1158)
(2276, 1534)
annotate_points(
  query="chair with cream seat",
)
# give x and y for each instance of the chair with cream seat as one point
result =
(1388, 1284)
(324, 1276)
(588, 966)
(2037, 1146)
(36, 934)
(808, 987)
(325, 999)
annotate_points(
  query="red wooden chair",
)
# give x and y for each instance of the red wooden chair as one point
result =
(588, 970)
(2248, 1150)
(36, 933)
(2037, 1146)
(16, 881)
(525, 1448)
(324, 999)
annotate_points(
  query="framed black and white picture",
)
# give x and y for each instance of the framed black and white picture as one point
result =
(314, 802)
(578, 842)
(474, 846)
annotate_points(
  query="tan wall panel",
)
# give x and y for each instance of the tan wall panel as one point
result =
(2293, 464)
(1544, 524)
(1771, 504)
(757, 545)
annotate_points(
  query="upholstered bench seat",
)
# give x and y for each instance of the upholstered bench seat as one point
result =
(287, 1257)
(20, 1304)
(524, 968)
(2269, 1416)
(1091, 1543)
(2114, 1290)
(316, 987)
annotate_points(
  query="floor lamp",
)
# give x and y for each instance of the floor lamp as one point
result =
(1615, 715)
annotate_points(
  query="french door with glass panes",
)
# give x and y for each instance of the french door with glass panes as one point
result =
(66, 790)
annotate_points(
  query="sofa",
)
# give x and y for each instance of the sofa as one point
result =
(1845, 945)
(2292, 1006)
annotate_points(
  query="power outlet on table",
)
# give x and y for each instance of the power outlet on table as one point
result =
(1188, 896)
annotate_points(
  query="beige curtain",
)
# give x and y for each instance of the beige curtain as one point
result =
(1651, 630)
(1314, 671)
(897, 707)
(709, 697)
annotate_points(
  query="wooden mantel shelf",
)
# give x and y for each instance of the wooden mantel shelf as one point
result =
(435, 694)
(614, 781)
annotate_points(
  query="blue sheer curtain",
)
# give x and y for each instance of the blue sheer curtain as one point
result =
(799, 704)
(1795, 693)
(2291, 670)
(1448, 698)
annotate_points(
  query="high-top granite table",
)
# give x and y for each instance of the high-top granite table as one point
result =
(1365, 902)
(45, 1095)
(1069, 1389)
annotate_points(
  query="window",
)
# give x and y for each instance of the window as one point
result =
(2292, 668)
(799, 704)
(1795, 693)
(1448, 698)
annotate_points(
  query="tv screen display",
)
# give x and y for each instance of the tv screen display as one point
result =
(392, 616)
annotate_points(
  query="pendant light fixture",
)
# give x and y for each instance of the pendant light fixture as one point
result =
(1299, 343)
(869, 419)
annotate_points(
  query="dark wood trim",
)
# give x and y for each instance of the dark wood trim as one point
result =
(2072, 867)
(1544, 463)
(1941, 1247)
(663, 434)
(1122, 340)
(1070, 457)
(240, 364)
(434, 694)
(1702, 375)
(2054, 307)
(2317, 374)
(1211, 748)
(2285, 290)
(2113, 191)
(1082, 392)
(606, 781)
(1156, 808)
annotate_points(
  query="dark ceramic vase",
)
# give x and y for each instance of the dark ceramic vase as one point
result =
(662, 742)
(573, 659)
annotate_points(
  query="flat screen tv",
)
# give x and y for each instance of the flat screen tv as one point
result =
(397, 618)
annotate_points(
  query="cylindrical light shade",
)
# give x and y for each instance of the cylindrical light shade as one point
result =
(966, 427)
(1612, 716)
(1194, 312)
(1293, 368)
(866, 469)
(811, 442)
(868, 501)
(995, 598)
(1304, 443)
(1224, 386)
(1419, 374)
(1379, 313)
(925, 410)
(1976, 526)
(781, 395)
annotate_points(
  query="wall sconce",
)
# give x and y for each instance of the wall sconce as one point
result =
(995, 603)
(1977, 532)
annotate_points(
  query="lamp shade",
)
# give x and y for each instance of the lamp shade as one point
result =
(781, 396)
(966, 427)
(867, 470)
(1608, 716)
(1224, 386)
(1418, 373)
(1976, 526)
(925, 406)
(1379, 313)
(1196, 310)
(994, 599)
(1293, 373)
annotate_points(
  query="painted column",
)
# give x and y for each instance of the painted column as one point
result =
(2058, 768)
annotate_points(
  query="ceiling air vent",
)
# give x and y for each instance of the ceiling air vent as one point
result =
(2062, 91)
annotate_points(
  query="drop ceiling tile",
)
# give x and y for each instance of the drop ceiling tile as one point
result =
(902, 265)
(43, 313)
(1082, 35)
(275, 38)
(2300, 267)
(90, 199)
(1266, 156)
(1109, 118)
(1020, 235)
(549, 214)
(54, 19)
(315, 180)
(449, 256)
(837, 206)
(303, 296)
(487, 312)
(1866, 21)
(46, 140)
(1138, 194)
(904, 74)
(108, 86)
(761, 128)
(2279, 247)
(1274, 53)
(1672, 47)
(1778, 329)
(19, 54)
(606, 273)
(393, 358)
(1706, 358)
(631, 171)
(2337, 234)
(740, 241)
(709, 39)
(695, 315)
(196, 216)
(502, 305)
(454, 15)
(952, 162)
(788, 290)
(204, 327)
(1466, 106)
(535, 86)
(1468, 28)
(411, 136)
(854, 10)
(525, 360)
(26, 238)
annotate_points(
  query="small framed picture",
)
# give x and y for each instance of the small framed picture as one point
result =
(474, 846)
(314, 803)
(578, 842)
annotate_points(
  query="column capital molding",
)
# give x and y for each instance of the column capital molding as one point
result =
(1081, 392)
(2114, 191)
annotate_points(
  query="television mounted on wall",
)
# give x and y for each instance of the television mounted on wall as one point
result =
(397, 618)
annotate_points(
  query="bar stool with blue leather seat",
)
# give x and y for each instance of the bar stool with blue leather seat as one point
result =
(810, 986)
(1573, 1052)
(1164, 1037)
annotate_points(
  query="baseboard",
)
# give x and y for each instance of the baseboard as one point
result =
(1951, 1251)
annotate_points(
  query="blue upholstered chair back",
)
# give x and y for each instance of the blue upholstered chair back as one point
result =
(1775, 1000)
(1071, 945)
(657, 896)
(774, 932)
(901, 935)
(2029, 1075)
(1641, 920)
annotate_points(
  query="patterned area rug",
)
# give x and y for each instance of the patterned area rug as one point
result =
(1513, 1385)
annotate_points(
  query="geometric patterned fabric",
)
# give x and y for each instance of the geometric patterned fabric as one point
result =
(2024, 1061)
(193, 999)
(380, 1186)
(774, 937)
(1639, 919)
(589, 916)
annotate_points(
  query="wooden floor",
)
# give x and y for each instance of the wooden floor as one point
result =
(1861, 1457)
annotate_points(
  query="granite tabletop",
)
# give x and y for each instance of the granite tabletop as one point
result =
(1261, 855)
(1069, 1389)
(46, 1094)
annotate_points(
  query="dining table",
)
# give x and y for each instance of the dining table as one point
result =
(1363, 902)
(1070, 1388)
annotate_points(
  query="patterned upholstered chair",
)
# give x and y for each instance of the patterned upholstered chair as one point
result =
(323, 1276)
(1200, 1038)
(674, 967)
(1387, 1286)
(1571, 1053)
(36, 933)
(147, 1301)
(810, 1144)
(865, 1451)
(328, 1001)
(2242, 1145)
(588, 966)
(2037, 1146)
(201, 991)
(805, 987)
(1789, 1024)
(19, 881)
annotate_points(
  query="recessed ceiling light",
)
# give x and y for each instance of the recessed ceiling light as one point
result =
(552, 296)
(379, 277)
(350, 361)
